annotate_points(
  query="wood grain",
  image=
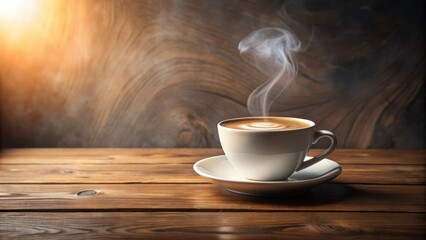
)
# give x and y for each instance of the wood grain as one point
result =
(219, 225)
(163, 73)
(207, 197)
(107, 155)
(375, 208)
(175, 166)
(83, 156)
(183, 173)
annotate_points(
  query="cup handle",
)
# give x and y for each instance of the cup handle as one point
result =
(320, 134)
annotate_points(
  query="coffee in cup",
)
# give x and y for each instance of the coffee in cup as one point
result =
(271, 148)
(266, 124)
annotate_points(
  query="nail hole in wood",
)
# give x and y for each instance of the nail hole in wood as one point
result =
(86, 193)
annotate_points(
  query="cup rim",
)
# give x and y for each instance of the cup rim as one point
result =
(219, 125)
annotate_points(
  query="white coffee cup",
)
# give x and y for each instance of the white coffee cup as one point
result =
(271, 153)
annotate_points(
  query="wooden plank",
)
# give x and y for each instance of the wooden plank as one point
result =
(105, 155)
(184, 155)
(208, 225)
(183, 173)
(207, 197)
(377, 156)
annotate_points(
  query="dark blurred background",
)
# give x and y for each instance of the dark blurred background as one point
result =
(117, 73)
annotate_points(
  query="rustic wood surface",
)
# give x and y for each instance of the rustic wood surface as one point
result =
(206, 197)
(183, 173)
(212, 225)
(154, 194)
(162, 73)
(141, 166)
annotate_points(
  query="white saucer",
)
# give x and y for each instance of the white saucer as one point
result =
(219, 170)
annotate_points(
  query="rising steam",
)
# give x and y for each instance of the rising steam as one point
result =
(271, 50)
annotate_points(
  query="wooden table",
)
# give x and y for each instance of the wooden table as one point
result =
(155, 194)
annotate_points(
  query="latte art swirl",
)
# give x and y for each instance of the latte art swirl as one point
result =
(266, 124)
(263, 126)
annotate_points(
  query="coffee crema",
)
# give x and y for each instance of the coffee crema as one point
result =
(266, 124)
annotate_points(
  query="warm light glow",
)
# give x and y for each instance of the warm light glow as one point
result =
(17, 11)
(20, 22)
(39, 31)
